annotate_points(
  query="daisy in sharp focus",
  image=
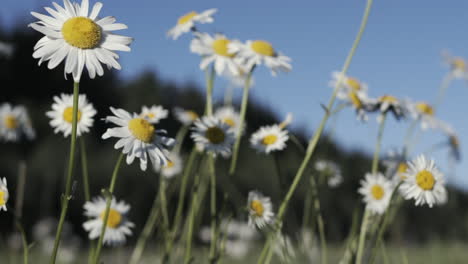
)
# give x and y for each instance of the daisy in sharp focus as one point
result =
(15, 123)
(173, 167)
(348, 84)
(377, 191)
(213, 135)
(79, 37)
(271, 138)
(331, 171)
(186, 117)
(187, 22)
(154, 113)
(260, 210)
(388, 103)
(424, 183)
(62, 114)
(231, 117)
(138, 138)
(4, 195)
(118, 226)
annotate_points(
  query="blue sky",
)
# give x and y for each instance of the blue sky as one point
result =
(399, 55)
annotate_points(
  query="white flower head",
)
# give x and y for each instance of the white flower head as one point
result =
(173, 167)
(260, 210)
(388, 103)
(376, 191)
(186, 117)
(231, 117)
(458, 66)
(423, 112)
(79, 37)
(361, 104)
(187, 22)
(118, 226)
(213, 135)
(348, 84)
(331, 171)
(424, 183)
(6, 49)
(4, 194)
(15, 123)
(271, 138)
(154, 114)
(138, 138)
(62, 114)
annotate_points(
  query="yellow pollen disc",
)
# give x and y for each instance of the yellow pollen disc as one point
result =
(186, 18)
(3, 198)
(114, 219)
(68, 115)
(215, 135)
(388, 99)
(263, 48)
(424, 108)
(355, 100)
(81, 32)
(425, 179)
(402, 168)
(353, 83)
(229, 121)
(150, 115)
(141, 129)
(169, 165)
(11, 122)
(257, 207)
(459, 63)
(269, 139)
(192, 115)
(377, 192)
(220, 47)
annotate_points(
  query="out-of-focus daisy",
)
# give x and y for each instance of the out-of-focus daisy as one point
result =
(388, 103)
(118, 226)
(6, 49)
(331, 171)
(458, 66)
(173, 167)
(361, 103)
(4, 195)
(138, 138)
(423, 112)
(257, 52)
(271, 138)
(238, 80)
(15, 123)
(308, 245)
(260, 210)
(79, 37)
(213, 135)
(454, 145)
(348, 84)
(187, 22)
(377, 191)
(154, 113)
(284, 249)
(424, 183)
(396, 165)
(186, 117)
(214, 49)
(228, 115)
(62, 114)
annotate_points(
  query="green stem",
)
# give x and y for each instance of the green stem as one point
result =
(442, 90)
(210, 75)
(188, 247)
(213, 245)
(378, 144)
(84, 170)
(320, 222)
(109, 196)
(165, 217)
(228, 95)
(67, 196)
(362, 236)
(24, 241)
(20, 189)
(180, 138)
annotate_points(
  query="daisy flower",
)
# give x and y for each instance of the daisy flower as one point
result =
(257, 52)
(118, 226)
(458, 66)
(231, 117)
(173, 167)
(15, 123)
(186, 117)
(424, 182)
(271, 138)
(138, 138)
(154, 113)
(331, 171)
(348, 84)
(214, 49)
(4, 195)
(213, 135)
(6, 49)
(361, 103)
(423, 112)
(187, 22)
(62, 114)
(388, 103)
(377, 191)
(260, 210)
(396, 165)
(79, 37)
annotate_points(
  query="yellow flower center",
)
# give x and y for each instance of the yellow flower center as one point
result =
(425, 179)
(220, 47)
(141, 129)
(169, 165)
(215, 135)
(388, 99)
(377, 192)
(68, 115)
(3, 198)
(229, 121)
(353, 83)
(263, 48)
(11, 122)
(114, 219)
(186, 18)
(269, 139)
(402, 169)
(353, 97)
(192, 115)
(459, 63)
(81, 32)
(424, 108)
(257, 207)
(150, 115)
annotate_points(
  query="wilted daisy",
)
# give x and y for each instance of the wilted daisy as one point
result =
(331, 171)
(62, 114)
(231, 117)
(173, 167)
(187, 22)
(186, 117)
(348, 84)
(4, 195)
(260, 210)
(458, 66)
(377, 191)
(138, 138)
(154, 113)
(15, 123)
(257, 52)
(118, 226)
(213, 135)
(79, 37)
(424, 182)
(271, 138)
(214, 49)
(388, 103)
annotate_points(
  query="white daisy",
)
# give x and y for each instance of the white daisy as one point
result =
(259, 52)
(396, 165)
(4, 195)
(187, 22)
(215, 50)
(424, 183)
(186, 117)
(377, 191)
(6, 49)
(213, 135)
(62, 114)
(260, 210)
(423, 112)
(118, 226)
(173, 167)
(79, 37)
(388, 103)
(458, 66)
(348, 84)
(154, 113)
(361, 103)
(271, 138)
(15, 123)
(138, 138)
(231, 117)
(331, 171)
